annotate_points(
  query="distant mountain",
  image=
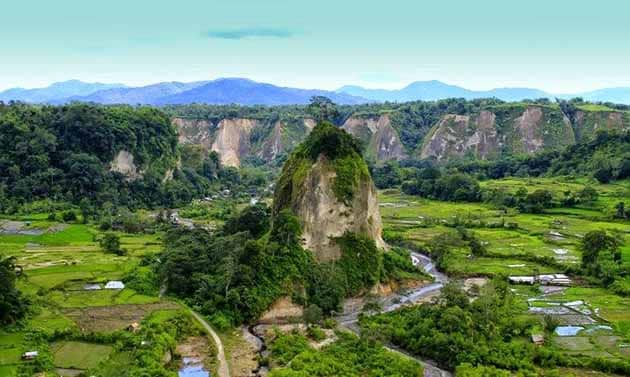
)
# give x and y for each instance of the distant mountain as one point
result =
(55, 91)
(614, 95)
(436, 90)
(145, 95)
(248, 92)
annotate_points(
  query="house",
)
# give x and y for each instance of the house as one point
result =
(91, 287)
(114, 284)
(30, 355)
(538, 339)
(522, 279)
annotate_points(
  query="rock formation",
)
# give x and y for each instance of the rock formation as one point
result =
(326, 183)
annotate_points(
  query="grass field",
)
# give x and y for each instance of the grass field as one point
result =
(79, 355)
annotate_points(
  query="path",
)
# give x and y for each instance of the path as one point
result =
(223, 370)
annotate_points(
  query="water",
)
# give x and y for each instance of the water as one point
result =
(193, 367)
(568, 330)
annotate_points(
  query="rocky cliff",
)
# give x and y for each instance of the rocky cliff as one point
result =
(194, 131)
(587, 123)
(514, 129)
(377, 133)
(235, 139)
(232, 141)
(327, 185)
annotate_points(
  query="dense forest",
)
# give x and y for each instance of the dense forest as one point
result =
(67, 154)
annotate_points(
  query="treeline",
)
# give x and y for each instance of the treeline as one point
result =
(65, 154)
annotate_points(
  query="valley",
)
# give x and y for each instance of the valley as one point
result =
(243, 241)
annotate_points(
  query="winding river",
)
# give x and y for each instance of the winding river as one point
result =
(349, 317)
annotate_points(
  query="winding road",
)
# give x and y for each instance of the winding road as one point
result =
(223, 370)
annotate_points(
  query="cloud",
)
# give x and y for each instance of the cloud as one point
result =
(256, 32)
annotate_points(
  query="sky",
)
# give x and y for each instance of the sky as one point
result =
(560, 46)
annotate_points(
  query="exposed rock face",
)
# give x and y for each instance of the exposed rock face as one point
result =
(273, 146)
(282, 311)
(123, 164)
(310, 123)
(528, 126)
(456, 135)
(324, 217)
(377, 133)
(327, 185)
(486, 135)
(232, 140)
(194, 131)
(586, 124)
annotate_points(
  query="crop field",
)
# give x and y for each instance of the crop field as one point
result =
(79, 355)
(523, 244)
(512, 238)
(58, 260)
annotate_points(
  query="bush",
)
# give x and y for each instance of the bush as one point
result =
(316, 333)
(69, 216)
(110, 243)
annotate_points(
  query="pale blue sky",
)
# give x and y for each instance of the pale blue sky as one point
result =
(555, 45)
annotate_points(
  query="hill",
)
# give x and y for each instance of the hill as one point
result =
(436, 90)
(327, 185)
(55, 92)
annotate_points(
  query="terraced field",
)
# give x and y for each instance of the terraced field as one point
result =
(531, 244)
(58, 261)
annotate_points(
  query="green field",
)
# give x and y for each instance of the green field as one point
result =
(511, 237)
(57, 264)
(79, 355)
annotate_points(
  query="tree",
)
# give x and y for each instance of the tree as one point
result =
(601, 256)
(322, 109)
(620, 211)
(603, 175)
(253, 219)
(313, 314)
(13, 305)
(588, 195)
(110, 243)
(476, 247)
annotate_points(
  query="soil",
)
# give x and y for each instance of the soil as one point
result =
(112, 318)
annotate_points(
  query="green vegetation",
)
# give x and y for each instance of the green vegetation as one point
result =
(350, 356)
(485, 335)
(79, 355)
(343, 154)
(13, 305)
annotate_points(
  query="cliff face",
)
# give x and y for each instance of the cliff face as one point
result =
(456, 135)
(284, 137)
(490, 133)
(331, 195)
(587, 123)
(378, 135)
(232, 140)
(123, 163)
(194, 131)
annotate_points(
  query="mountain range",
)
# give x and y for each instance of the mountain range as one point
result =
(247, 92)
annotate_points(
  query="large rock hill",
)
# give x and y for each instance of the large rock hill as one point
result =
(327, 185)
